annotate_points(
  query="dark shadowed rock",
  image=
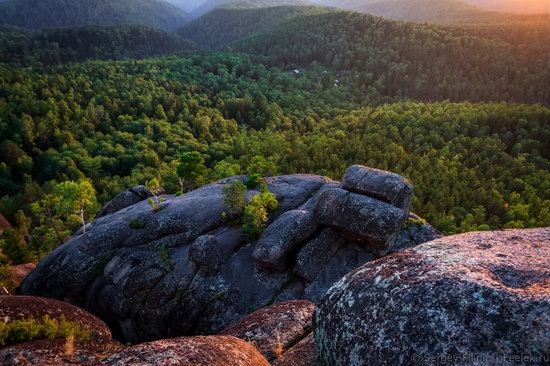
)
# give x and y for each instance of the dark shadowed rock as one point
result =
(24, 307)
(54, 352)
(184, 271)
(282, 237)
(415, 231)
(190, 351)
(210, 251)
(484, 294)
(385, 186)
(302, 353)
(274, 329)
(124, 199)
(367, 219)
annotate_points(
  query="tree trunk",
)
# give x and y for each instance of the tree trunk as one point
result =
(52, 220)
(83, 222)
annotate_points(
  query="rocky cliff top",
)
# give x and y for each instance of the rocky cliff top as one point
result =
(183, 270)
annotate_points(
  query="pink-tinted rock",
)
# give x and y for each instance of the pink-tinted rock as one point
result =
(190, 351)
(483, 294)
(54, 352)
(303, 353)
(24, 307)
(20, 271)
(276, 328)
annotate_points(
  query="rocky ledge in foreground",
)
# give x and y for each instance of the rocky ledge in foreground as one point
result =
(475, 299)
(183, 271)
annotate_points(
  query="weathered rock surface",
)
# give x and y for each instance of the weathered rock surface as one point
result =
(371, 221)
(183, 271)
(303, 353)
(124, 199)
(484, 294)
(276, 328)
(24, 307)
(53, 352)
(190, 351)
(385, 186)
(283, 236)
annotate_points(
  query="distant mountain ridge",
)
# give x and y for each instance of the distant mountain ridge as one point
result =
(225, 25)
(74, 13)
(208, 5)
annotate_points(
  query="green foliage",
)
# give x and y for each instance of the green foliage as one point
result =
(60, 13)
(59, 45)
(261, 167)
(190, 168)
(234, 196)
(256, 213)
(29, 329)
(253, 181)
(74, 198)
(155, 188)
(223, 26)
(387, 61)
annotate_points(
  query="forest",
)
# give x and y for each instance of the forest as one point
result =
(461, 111)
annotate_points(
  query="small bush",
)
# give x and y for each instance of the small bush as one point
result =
(256, 213)
(253, 181)
(234, 197)
(25, 330)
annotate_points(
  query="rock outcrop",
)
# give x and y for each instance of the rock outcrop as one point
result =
(25, 307)
(474, 299)
(124, 199)
(276, 328)
(182, 270)
(54, 351)
(190, 351)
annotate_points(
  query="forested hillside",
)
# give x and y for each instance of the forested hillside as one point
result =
(123, 123)
(390, 61)
(224, 26)
(75, 13)
(208, 5)
(461, 111)
(58, 45)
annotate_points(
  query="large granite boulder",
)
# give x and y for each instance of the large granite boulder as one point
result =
(54, 351)
(190, 351)
(276, 328)
(183, 270)
(303, 353)
(480, 298)
(385, 186)
(26, 307)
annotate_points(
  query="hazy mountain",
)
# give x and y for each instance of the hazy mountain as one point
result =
(516, 6)
(185, 5)
(208, 5)
(71, 13)
(437, 11)
(225, 25)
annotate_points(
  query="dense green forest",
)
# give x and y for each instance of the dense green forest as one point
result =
(391, 61)
(474, 166)
(59, 45)
(463, 112)
(223, 26)
(75, 13)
